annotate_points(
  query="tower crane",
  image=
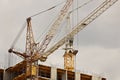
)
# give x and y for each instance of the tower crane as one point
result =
(34, 49)
(87, 20)
(36, 52)
(30, 43)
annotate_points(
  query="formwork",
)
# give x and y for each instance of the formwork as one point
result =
(1, 74)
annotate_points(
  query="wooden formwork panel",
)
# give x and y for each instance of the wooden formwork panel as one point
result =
(86, 77)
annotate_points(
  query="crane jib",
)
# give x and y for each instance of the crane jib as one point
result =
(91, 17)
(55, 26)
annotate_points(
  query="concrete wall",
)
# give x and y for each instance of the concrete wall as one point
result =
(53, 73)
(96, 78)
(77, 75)
(64, 76)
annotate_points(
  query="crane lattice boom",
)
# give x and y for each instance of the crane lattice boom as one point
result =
(91, 17)
(54, 27)
(37, 49)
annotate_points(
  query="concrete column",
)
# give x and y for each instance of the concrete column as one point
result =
(77, 76)
(7, 76)
(4, 75)
(96, 78)
(64, 76)
(53, 73)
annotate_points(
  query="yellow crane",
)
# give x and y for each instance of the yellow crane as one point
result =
(87, 20)
(35, 52)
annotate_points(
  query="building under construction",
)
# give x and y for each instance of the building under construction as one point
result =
(17, 72)
(29, 69)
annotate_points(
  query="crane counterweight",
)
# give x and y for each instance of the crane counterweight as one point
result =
(10, 50)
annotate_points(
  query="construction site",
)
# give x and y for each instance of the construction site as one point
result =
(30, 69)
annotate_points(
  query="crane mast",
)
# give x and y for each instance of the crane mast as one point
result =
(70, 52)
(30, 44)
(29, 38)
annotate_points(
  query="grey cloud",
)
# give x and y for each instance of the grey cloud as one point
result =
(99, 42)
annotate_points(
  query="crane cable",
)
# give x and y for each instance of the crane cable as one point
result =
(47, 9)
(77, 10)
(84, 4)
(72, 12)
(24, 25)
(80, 6)
(19, 34)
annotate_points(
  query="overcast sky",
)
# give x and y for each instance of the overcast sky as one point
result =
(98, 43)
